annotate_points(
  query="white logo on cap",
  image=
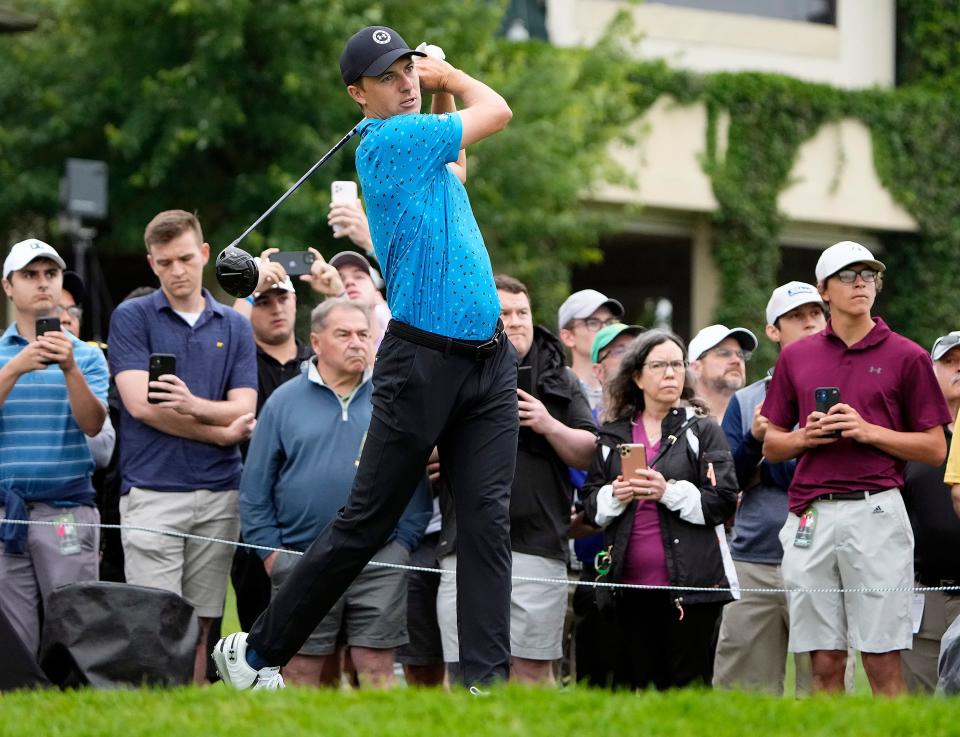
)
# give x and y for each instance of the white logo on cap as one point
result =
(381, 37)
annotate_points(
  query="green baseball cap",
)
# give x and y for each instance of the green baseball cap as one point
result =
(606, 335)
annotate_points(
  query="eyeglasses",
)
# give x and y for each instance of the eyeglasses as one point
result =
(74, 312)
(593, 324)
(660, 367)
(726, 353)
(615, 351)
(849, 276)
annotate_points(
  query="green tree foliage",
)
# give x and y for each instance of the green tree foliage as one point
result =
(219, 105)
(928, 43)
(917, 146)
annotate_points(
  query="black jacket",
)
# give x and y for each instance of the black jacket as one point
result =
(542, 491)
(695, 553)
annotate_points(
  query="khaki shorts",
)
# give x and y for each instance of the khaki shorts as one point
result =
(536, 609)
(194, 569)
(864, 543)
(371, 613)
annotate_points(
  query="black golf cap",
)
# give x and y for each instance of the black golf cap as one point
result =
(371, 51)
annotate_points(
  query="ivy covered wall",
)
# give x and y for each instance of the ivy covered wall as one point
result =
(916, 139)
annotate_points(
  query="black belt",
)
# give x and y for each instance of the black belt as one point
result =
(478, 350)
(848, 496)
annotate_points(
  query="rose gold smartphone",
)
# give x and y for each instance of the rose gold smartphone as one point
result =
(633, 458)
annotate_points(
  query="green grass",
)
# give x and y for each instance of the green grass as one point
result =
(192, 712)
(231, 623)
(861, 686)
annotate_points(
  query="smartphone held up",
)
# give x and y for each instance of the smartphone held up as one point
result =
(160, 365)
(824, 398)
(633, 459)
(295, 263)
(342, 192)
(525, 378)
(47, 325)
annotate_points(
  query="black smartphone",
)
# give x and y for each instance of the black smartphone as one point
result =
(47, 325)
(824, 398)
(160, 364)
(294, 263)
(525, 378)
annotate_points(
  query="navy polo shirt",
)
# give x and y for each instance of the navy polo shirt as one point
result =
(214, 356)
(435, 264)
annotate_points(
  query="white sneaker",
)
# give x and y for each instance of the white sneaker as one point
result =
(230, 656)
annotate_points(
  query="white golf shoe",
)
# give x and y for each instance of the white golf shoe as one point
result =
(230, 656)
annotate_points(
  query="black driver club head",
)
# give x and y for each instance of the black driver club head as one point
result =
(237, 272)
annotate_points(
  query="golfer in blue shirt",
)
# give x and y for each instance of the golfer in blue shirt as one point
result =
(445, 374)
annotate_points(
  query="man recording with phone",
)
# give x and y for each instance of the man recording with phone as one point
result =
(179, 434)
(847, 526)
(53, 394)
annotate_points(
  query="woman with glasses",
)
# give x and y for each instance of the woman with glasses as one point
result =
(664, 524)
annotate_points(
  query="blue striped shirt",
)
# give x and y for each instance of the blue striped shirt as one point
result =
(42, 449)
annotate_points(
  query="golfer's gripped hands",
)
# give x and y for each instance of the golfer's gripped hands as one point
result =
(434, 74)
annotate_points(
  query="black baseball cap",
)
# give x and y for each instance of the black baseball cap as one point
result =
(74, 284)
(371, 51)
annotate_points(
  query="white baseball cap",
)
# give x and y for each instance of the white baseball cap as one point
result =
(945, 343)
(24, 252)
(713, 335)
(584, 303)
(789, 296)
(841, 255)
(285, 286)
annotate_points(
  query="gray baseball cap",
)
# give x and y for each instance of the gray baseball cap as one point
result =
(584, 303)
(944, 343)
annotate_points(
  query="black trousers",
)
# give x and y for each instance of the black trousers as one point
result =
(595, 638)
(422, 397)
(251, 584)
(425, 646)
(657, 648)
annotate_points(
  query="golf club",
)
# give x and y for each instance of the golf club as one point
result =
(237, 271)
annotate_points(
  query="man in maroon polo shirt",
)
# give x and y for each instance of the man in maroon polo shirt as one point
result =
(847, 527)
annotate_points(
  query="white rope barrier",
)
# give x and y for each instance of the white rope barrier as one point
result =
(532, 579)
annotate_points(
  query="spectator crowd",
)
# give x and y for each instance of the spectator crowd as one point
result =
(641, 461)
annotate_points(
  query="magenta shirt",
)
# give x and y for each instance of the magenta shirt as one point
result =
(646, 560)
(887, 378)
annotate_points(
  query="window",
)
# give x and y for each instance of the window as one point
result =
(649, 274)
(525, 19)
(810, 11)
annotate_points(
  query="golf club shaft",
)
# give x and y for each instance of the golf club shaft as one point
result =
(323, 159)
